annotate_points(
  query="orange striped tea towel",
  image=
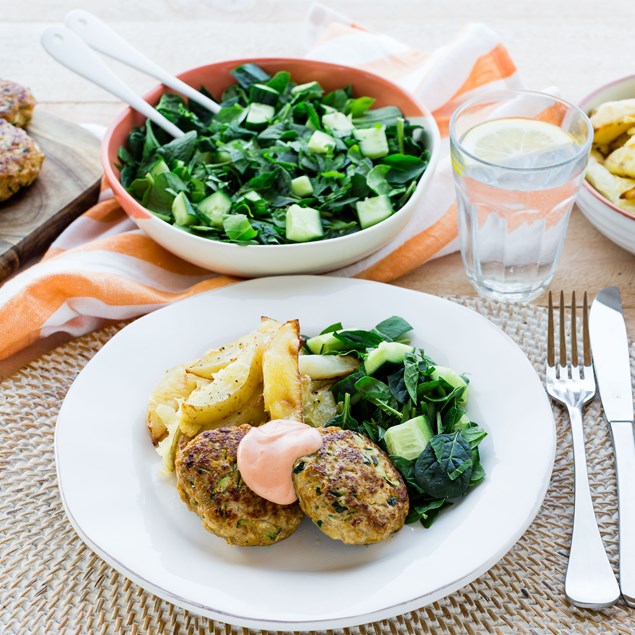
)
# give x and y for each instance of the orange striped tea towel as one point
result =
(103, 268)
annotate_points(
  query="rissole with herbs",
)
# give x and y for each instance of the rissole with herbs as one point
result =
(280, 163)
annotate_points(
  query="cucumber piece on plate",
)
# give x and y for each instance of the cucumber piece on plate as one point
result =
(454, 379)
(392, 352)
(373, 210)
(324, 343)
(303, 224)
(409, 439)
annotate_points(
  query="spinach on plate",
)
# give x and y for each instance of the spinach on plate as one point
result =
(414, 409)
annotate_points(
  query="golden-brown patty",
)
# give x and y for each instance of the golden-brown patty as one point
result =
(350, 489)
(16, 103)
(209, 482)
(20, 159)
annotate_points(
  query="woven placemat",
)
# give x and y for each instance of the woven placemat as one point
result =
(50, 582)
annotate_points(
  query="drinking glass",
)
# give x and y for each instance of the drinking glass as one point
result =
(518, 159)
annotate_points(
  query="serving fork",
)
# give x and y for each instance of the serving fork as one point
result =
(590, 581)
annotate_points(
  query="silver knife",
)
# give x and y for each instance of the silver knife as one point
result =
(609, 343)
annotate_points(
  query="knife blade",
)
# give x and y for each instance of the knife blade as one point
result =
(611, 361)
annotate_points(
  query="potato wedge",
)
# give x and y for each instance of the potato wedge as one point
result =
(253, 413)
(167, 447)
(628, 195)
(175, 386)
(230, 390)
(609, 185)
(318, 403)
(217, 358)
(282, 386)
(327, 366)
(611, 119)
(621, 161)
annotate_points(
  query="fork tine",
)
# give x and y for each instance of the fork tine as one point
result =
(550, 344)
(585, 332)
(563, 346)
(574, 334)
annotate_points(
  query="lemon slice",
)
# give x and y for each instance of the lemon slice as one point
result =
(518, 142)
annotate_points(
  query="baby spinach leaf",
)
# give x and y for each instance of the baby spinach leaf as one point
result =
(444, 468)
(249, 74)
(379, 393)
(397, 386)
(180, 149)
(411, 374)
(393, 327)
(151, 143)
(332, 327)
(404, 168)
(473, 434)
(358, 340)
(280, 81)
(357, 107)
(238, 228)
(387, 116)
(376, 179)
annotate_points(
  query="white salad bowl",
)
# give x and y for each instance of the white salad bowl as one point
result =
(266, 260)
(615, 223)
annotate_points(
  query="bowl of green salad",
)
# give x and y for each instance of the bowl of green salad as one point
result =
(307, 167)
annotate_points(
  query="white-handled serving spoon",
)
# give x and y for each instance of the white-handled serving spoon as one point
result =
(102, 38)
(71, 51)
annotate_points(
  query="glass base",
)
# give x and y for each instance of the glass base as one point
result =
(511, 292)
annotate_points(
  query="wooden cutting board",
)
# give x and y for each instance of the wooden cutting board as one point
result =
(68, 185)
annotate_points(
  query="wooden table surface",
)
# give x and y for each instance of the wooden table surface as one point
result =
(576, 45)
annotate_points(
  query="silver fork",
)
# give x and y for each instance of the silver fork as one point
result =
(590, 581)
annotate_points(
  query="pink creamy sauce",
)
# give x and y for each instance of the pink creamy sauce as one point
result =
(266, 455)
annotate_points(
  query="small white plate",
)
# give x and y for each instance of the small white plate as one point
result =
(133, 518)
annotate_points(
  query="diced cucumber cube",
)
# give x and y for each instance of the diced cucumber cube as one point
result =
(321, 143)
(301, 186)
(454, 379)
(303, 224)
(373, 210)
(159, 168)
(312, 88)
(392, 352)
(215, 207)
(409, 439)
(259, 114)
(372, 141)
(182, 211)
(263, 94)
(338, 121)
(324, 343)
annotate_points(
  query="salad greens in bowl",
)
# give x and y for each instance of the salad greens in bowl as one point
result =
(307, 167)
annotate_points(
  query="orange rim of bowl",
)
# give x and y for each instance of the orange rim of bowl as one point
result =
(154, 94)
(583, 105)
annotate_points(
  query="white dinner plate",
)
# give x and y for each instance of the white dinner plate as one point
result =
(133, 518)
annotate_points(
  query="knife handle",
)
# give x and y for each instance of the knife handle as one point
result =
(589, 582)
(624, 447)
